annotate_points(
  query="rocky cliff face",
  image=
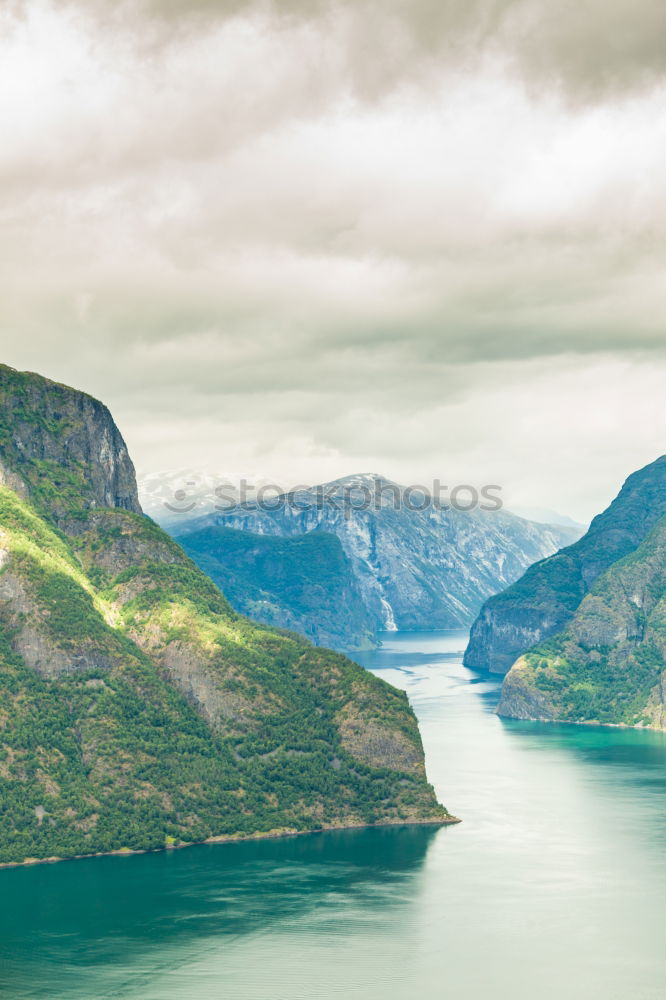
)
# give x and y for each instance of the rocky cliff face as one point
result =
(609, 663)
(414, 569)
(137, 710)
(61, 448)
(544, 600)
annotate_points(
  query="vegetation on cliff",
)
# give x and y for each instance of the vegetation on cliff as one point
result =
(137, 709)
(542, 602)
(303, 582)
(609, 664)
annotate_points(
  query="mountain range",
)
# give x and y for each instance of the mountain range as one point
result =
(394, 566)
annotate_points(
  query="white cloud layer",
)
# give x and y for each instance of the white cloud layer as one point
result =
(424, 238)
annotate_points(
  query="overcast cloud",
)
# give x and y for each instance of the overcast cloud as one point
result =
(307, 239)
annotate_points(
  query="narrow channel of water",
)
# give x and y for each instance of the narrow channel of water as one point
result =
(553, 886)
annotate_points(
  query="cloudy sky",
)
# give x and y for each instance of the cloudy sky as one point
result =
(303, 239)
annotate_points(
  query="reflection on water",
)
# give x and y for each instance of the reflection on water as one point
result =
(82, 917)
(553, 885)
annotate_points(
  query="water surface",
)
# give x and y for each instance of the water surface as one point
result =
(553, 885)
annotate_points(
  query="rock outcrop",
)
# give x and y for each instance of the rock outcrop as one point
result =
(62, 448)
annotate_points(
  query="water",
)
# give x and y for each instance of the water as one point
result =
(553, 885)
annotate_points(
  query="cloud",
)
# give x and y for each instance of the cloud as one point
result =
(329, 236)
(589, 50)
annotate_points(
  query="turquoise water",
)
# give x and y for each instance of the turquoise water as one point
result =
(553, 886)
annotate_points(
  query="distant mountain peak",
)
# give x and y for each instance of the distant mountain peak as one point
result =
(544, 515)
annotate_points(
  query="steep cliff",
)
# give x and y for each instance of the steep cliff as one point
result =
(609, 663)
(305, 583)
(61, 449)
(545, 598)
(414, 569)
(137, 709)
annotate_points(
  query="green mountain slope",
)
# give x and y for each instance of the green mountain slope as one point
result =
(137, 709)
(609, 664)
(544, 599)
(305, 583)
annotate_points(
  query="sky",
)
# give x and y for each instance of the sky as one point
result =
(299, 240)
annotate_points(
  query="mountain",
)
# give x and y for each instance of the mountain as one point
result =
(305, 583)
(414, 568)
(543, 515)
(172, 496)
(546, 597)
(137, 709)
(609, 663)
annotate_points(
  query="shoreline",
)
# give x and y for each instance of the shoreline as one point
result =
(583, 722)
(492, 675)
(228, 838)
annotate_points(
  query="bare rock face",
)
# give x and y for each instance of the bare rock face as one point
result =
(520, 700)
(11, 479)
(377, 745)
(195, 675)
(31, 636)
(495, 636)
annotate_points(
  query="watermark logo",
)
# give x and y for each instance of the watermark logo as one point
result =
(346, 497)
